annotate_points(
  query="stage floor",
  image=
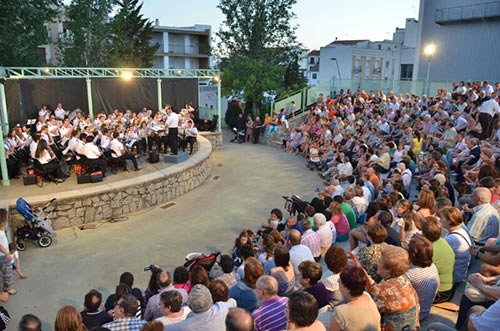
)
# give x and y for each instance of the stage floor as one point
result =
(17, 188)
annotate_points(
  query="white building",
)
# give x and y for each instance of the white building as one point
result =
(312, 67)
(182, 47)
(366, 60)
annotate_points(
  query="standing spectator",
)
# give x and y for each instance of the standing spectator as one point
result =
(5, 257)
(488, 110)
(270, 316)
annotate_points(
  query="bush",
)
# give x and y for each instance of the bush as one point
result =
(232, 113)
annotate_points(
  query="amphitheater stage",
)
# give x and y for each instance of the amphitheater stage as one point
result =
(119, 193)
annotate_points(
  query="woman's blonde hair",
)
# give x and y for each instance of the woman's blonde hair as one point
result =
(69, 319)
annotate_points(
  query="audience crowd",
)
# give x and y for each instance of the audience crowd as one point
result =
(411, 186)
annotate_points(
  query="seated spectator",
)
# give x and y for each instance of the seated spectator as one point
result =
(298, 252)
(459, 240)
(423, 274)
(68, 318)
(302, 312)
(165, 284)
(370, 256)
(340, 221)
(243, 291)
(181, 278)
(346, 316)
(327, 234)
(484, 223)
(30, 322)
(310, 279)
(238, 319)
(92, 315)
(153, 287)
(336, 261)
(271, 313)
(152, 326)
(443, 257)
(171, 308)
(205, 315)
(311, 239)
(395, 297)
(198, 275)
(227, 265)
(484, 291)
(283, 271)
(385, 218)
(220, 292)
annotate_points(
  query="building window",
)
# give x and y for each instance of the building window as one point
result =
(406, 72)
(311, 60)
(314, 76)
(387, 64)
(379, 47)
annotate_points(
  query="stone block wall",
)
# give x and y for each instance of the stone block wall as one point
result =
(93, 204)
(215, 138)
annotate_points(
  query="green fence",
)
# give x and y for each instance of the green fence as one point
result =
(308, 96)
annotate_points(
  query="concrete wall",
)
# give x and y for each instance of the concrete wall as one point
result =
(102, 201)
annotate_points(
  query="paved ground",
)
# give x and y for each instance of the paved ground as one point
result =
(252, 180)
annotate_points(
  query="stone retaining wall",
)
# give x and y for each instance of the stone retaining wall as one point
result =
(130, 195)
(214, 137)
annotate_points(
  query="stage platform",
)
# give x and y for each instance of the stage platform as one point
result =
(119, 193)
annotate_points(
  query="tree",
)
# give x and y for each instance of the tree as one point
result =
(256, 43)
(130, 37)
(22, 30)
(89, 44)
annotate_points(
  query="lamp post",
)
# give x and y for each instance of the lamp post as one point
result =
(338, 71)
(429, 51)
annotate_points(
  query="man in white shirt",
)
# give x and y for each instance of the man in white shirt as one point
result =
(59, 112)
(190, 135)
(93, 154)
(171, 308)
(298, 252)
(487, 111)
(173, 128)
(119, 153)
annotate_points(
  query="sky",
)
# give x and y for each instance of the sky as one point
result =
(319, 21)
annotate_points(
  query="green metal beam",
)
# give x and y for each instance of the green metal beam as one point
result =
(62, 72)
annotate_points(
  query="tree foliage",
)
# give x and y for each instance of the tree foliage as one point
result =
(88, 23)
(98, 39)
(256, 44)
(22, 30)
(130, 37)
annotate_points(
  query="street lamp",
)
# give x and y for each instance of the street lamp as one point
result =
(338, 72)
(429, 51)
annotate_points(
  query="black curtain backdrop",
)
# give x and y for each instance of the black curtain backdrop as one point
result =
(25, 97)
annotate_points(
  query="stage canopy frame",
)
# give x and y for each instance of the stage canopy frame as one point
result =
(16, 73)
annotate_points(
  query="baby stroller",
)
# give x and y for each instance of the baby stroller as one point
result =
(37, 226)
(239, 136)
(196, 259)
(295, 205)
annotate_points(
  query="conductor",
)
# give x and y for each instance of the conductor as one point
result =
(173, 128)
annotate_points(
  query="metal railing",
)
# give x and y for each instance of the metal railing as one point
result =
(188, 49)
(468, 13)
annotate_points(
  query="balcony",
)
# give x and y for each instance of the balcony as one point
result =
(472, 13)
(201, 50)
